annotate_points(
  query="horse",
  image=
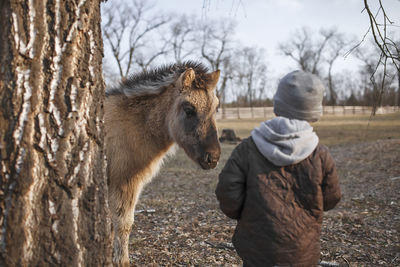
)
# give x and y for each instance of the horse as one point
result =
(146, 117)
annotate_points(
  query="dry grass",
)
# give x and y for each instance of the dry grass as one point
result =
(334, 130)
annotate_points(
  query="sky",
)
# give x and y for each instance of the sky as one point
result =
(267, 23)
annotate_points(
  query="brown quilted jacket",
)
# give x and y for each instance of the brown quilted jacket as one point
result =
(279, 209)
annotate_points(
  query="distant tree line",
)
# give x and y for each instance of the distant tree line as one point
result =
(139, 36)
(370, 84)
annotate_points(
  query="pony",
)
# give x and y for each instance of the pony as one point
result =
(146, 117)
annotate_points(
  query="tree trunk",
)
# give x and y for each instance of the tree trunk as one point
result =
(332, 99)
(223, 95)
(53, 191)
(398, 88)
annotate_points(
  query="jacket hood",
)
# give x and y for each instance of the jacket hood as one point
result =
(285, 141)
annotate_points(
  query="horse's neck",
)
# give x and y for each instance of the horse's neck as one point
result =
(142, 126)
(134, 153)
(152, 120)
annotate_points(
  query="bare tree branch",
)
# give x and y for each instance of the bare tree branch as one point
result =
(251, 74)
(126, 30)
(182, 38)
(305, 50)
(388, 49)
(380, 34)
(216, 41)
(215, 46)
(335, 48)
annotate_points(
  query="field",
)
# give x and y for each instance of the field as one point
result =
(178, 222)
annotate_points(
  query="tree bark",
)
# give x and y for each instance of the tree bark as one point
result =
(53, 191)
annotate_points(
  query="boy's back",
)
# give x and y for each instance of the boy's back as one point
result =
(278, 182)
(279, 209)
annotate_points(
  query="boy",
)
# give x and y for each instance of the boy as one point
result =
(278, 181)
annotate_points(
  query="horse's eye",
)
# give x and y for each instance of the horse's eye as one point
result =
(189, 111)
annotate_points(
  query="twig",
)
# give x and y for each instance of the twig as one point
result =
(145, 211)
(222, 245)
(358, 44)
(348, 264)
(378, 35)
(329, 264)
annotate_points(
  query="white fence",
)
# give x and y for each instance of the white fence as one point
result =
(268, 112)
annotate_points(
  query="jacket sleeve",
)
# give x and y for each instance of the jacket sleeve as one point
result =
(231, 186)
(330, 184)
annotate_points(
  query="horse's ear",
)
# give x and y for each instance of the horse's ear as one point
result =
(212, 79)
(186, 78)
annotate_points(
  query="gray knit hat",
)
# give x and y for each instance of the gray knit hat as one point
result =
(299, 96)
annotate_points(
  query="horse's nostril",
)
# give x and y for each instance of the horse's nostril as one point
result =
(209, 160)
(208, 157)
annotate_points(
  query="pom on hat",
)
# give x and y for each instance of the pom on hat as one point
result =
(299, 96)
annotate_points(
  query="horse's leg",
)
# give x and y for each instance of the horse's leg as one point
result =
(122, 224)
(122, 203)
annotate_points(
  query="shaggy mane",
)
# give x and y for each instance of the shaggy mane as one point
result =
(153, 81)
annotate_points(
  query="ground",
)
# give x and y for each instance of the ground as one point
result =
(178, 221)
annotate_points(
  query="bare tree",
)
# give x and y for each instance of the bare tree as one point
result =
(216, 44)
(367, 71)
(110, 77)
(126, 28)
(335, 48)
(376, 79)
(182, 39)
(251, 73)
(307, 51)
(227, 76)
(315, 52)
(398, 85)
(53, 191)
(348, 87)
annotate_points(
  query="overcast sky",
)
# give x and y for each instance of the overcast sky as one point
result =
(266, 23)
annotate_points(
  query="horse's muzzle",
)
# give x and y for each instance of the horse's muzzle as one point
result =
(209, 160)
